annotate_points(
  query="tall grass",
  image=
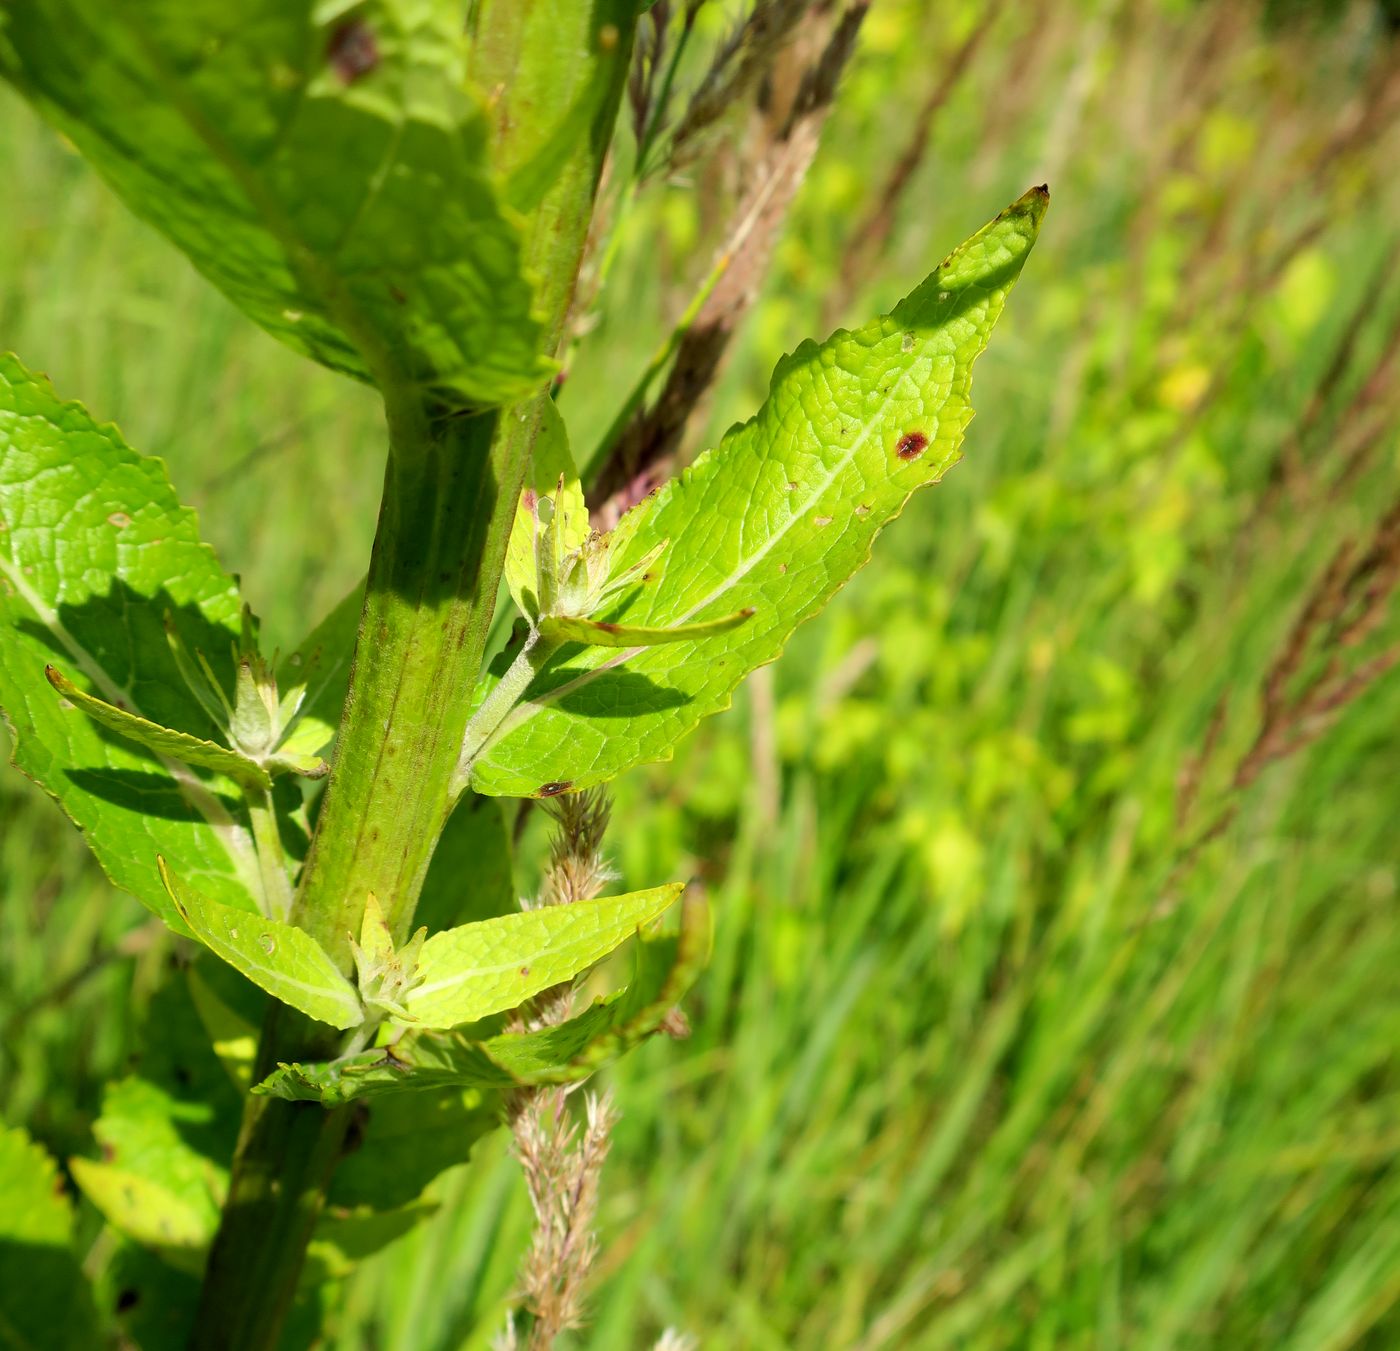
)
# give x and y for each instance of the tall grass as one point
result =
(995, 1049)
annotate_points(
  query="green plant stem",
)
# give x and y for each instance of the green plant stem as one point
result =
(449, 495)
(272, 863)
(497, 705)
(450, 490)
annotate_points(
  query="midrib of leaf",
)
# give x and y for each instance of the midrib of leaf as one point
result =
(305, 261)
(319, 991)
(529, 707)
(461, 977)
(234, 838)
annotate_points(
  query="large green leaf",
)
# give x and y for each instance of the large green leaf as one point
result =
(279, 958)
(322, 164)
(44, 1300)
(665, 969)
(95, 550)
(479, 969)
(776, 519)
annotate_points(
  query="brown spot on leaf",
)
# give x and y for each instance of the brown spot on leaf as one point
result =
(606, 626)
(821, 520)
(529, 499)
(862, 509)
(398, 295)
(782, 568)
(524, 970)
(554, 789)
(353, 50)
(911, 445)
(119, 519)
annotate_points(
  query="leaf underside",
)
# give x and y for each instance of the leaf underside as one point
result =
(776, 520)
(325, 168)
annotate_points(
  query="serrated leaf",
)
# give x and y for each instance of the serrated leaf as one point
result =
(165, 741)
(408, 1142)
(325, 168)
(44, 1300)
(344, 1238)
(479, 969)
(664, 970)
(596, 633)
(776, 519)
(279, 958)
(551, 477)
(95, 549)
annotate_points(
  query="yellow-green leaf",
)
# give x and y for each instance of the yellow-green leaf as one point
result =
(286, 962)
(479, 969)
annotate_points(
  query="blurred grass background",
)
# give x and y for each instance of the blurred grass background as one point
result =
(1000, 1046)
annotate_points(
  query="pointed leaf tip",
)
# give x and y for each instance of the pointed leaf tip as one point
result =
(1034, 202)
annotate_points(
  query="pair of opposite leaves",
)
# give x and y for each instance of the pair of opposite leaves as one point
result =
(773, 522)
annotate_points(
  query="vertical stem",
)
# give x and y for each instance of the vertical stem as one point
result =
(449, 499)
(555, 75)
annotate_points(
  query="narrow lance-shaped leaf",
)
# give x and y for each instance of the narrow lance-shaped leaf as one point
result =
(189, 750)
(665, 969)
(285, 961)
(323, 165)
(479, 969)
(776, 520)
(95, 551)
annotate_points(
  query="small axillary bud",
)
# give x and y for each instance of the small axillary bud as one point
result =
(584, 580)
(258, 721)
(385, 975)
